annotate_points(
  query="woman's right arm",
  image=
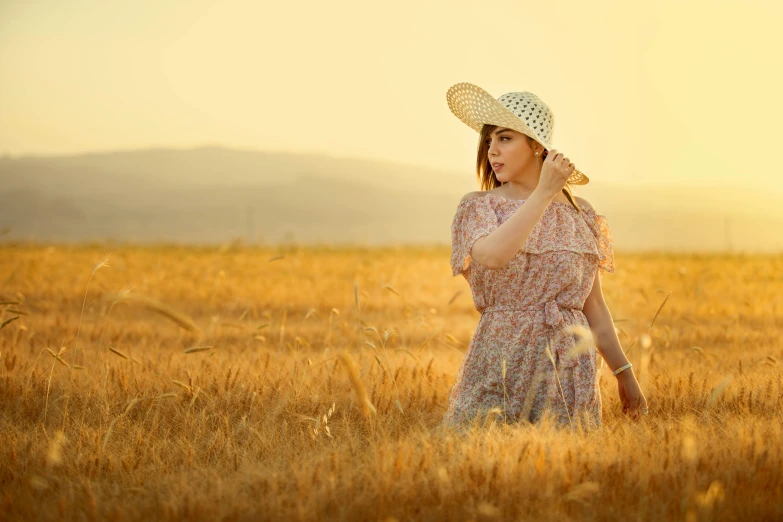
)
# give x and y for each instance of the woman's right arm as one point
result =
(497, 248)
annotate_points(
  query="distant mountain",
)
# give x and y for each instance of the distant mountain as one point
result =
(137, 170)
(214, 195)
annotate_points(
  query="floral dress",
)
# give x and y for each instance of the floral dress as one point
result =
(526, 306)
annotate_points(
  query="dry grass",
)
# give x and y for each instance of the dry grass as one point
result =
(309, 388)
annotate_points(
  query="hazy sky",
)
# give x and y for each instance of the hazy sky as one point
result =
(660, 92)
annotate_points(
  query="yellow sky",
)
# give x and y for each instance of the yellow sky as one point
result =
(684, 92)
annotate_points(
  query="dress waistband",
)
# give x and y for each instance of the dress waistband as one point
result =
(551, 309)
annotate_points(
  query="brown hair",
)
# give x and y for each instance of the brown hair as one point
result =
(486, 174)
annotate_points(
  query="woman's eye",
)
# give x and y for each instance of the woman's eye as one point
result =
(487, 141)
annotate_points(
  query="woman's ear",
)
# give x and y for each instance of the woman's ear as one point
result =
(534, 145)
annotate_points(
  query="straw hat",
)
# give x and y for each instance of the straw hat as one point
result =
(522, 111)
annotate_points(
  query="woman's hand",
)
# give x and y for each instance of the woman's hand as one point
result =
(630, 394)
(554, 173)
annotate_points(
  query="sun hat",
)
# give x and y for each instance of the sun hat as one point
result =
(521, 111)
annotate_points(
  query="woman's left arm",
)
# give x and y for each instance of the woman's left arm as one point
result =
(608, 346)
(601, 324)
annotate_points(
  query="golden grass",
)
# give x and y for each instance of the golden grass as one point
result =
(308, 383)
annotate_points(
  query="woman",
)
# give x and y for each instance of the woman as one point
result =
(533, 255)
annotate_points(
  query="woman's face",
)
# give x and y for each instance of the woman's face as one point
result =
(511, 149)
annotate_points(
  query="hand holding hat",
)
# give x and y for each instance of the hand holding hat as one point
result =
(555, 172)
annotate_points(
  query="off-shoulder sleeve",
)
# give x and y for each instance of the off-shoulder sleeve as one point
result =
(474, 218)
(599, 225)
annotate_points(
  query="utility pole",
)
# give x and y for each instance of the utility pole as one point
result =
(727, 232)
(250, 224)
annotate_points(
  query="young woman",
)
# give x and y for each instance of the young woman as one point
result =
(533, 255)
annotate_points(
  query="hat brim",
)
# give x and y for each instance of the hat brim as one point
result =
(476, 107)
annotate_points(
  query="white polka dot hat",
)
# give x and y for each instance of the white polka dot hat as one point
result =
(522, 111)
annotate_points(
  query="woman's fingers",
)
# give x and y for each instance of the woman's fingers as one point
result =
(563, 165)
(632, 404)
(638, 405)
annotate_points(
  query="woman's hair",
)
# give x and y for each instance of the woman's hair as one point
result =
(486, 174)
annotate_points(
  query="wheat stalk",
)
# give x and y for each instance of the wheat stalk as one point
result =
(505, 394)
(131, 404)
(179, 318)
(368, 409)
(559, 386)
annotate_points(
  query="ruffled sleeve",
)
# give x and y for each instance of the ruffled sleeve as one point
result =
(600, 227)
(474, 218)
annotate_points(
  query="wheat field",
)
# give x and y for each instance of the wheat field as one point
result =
(293, 383)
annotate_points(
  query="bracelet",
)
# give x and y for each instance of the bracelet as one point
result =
(621, 368)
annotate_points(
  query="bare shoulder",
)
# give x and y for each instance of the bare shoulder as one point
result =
(583, 202)
(472, 195)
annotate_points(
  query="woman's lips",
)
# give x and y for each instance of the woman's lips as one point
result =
(499, 167)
